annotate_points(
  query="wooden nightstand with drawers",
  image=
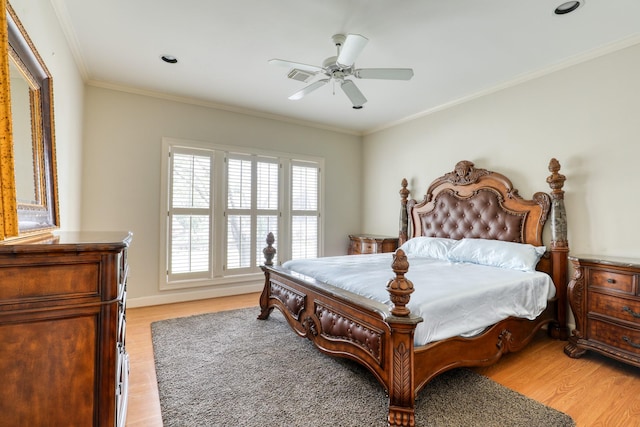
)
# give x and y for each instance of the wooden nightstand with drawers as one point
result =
(605, 298)
(371, 244)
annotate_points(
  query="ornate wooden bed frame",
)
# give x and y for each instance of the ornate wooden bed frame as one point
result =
(468, 202)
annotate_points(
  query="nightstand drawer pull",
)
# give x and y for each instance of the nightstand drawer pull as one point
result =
(610, 280)
(632, 344)
(631, 312)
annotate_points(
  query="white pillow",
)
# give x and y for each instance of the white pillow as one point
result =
(428, 247)
(497, 253)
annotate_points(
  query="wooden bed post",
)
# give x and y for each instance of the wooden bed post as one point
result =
(402, 387)
(400, 288)
(404, 219)
(559, 248)
(269, 252)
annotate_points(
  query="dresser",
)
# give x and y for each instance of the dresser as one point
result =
(371, 244)
(63, 360)
(604, 296)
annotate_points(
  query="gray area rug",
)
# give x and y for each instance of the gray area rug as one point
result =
(229, 369)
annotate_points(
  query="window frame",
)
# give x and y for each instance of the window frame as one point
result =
(218, 273)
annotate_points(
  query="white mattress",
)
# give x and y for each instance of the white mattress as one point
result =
(452, 298)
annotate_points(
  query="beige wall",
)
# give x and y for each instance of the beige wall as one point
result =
(585, 115)
(123, 137)
(41, 23)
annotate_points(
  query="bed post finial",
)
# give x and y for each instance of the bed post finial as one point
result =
(404, 220)
(558, 214)
(269, 251)
(559, 248)
(400, 288)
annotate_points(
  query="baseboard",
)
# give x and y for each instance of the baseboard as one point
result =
(173, 297)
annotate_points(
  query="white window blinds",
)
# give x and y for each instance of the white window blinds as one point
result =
(252, 208)
(190, 214)
(304, 210)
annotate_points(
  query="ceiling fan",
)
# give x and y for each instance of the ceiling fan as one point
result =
(338, 68)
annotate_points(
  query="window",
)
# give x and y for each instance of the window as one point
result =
(220, 204)
(252, 208)
(189, 215)
(304, 211)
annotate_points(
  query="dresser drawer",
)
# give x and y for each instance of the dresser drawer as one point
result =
(620, 337)
(360, 246)
(45, 280)
(620, 308)
(615, 281)
(369, 247)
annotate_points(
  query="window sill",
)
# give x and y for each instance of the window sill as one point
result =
(241, 279)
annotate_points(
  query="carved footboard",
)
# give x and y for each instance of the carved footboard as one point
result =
(345, 325)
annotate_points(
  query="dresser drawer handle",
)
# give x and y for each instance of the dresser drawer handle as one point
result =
(611, 280)
(631, 343)
(631, 312)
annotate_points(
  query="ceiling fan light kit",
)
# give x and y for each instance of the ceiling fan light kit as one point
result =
(338, 68)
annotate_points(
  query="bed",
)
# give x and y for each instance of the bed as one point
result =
(466, 206)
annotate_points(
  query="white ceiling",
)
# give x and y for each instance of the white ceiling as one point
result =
(457, 49)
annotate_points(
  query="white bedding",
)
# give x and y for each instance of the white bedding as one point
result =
(453, 298)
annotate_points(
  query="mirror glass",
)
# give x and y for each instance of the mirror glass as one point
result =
(25, 149)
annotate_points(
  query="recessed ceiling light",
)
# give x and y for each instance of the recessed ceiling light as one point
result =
(169, 59)
(567, 7)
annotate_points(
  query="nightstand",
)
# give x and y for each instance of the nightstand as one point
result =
(605, 298)
(371, 244)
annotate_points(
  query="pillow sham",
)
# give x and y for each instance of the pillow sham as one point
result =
(497, 253)
(428, 247)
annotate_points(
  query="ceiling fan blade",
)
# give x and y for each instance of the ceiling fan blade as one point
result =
(351, 49)
(351, 90)
(298, 65)
(384, 73)
(308, 89)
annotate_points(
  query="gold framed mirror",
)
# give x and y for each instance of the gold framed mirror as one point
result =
(28, 179)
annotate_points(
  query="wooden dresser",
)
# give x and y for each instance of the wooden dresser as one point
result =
(605, 298)
(371, 244)
(63, 360)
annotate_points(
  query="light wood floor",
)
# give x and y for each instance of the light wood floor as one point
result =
(594, 390)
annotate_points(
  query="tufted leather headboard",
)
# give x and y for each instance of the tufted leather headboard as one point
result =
(477, 203)
(479, 216)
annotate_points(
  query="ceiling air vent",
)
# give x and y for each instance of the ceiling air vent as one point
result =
(300, 75)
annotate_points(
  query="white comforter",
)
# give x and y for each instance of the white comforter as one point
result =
(452, 298)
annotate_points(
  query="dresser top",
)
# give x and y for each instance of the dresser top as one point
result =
(365, 236)
(70, 241)
(607, 260)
